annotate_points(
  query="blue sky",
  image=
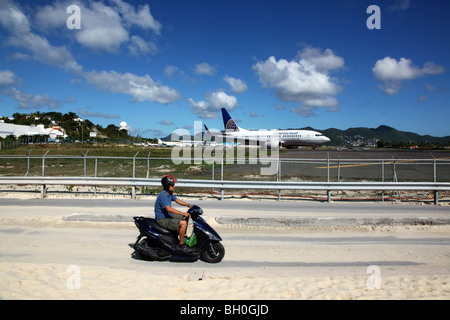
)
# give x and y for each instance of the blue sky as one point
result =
(161, 65)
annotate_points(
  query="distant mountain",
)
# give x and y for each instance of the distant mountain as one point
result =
(368, 136)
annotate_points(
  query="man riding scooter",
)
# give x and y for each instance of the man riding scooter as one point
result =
(168, 217)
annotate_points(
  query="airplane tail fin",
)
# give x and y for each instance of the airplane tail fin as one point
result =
(228, 122)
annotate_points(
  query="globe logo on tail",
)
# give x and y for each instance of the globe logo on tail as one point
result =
(231, 126)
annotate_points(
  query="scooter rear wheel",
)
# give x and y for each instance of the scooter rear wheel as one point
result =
(214, 253)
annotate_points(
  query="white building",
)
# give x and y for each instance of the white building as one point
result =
(17, 130)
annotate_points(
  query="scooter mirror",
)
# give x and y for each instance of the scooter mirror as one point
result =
(195, 211)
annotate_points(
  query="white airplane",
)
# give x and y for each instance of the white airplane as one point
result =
(148, 144)
(285, 138)
(187, 143)
(168, 143)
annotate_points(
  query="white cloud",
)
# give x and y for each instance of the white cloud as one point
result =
(400, 5)
(139, 46)
(423, 98)
(391, 73)
(204, 68)
(207, 109)
(323, 61)
(32, 101)
(142, 17)
(8, 78)
(304, 111)
(166, 122)
(19, 56)
(173, 70)
(103, 27)
(88, 113)
(24, 99)
(51, 16)
(141, 88)
(237, 85)
(12, 19)
(306, 80)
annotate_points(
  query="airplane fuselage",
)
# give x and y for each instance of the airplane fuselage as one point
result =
(268, 138)
(284, 138)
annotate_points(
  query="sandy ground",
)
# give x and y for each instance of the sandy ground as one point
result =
(50, 275)
(56, 281)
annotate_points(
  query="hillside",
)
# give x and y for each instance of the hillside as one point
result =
(73, 125)
(381, 136)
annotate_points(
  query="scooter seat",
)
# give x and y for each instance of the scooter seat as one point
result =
(155, 226)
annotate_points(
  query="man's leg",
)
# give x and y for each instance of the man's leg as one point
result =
(182, 230)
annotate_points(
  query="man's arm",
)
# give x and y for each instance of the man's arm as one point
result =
(175, 211)
(182, 203)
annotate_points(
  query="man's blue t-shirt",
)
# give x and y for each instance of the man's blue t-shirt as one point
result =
(161, 203)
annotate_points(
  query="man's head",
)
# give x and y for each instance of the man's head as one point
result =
(168, 181)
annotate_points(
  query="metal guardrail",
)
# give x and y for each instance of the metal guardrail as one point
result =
(331, 169)
(222, 184)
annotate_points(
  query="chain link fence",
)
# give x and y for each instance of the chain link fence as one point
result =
(245, 169)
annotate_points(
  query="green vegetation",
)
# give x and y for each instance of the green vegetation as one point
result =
(385, 137)
(75, 128)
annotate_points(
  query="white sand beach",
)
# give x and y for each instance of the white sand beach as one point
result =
(52, 281)
(44, 257)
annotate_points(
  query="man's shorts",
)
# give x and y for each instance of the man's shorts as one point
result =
(171, 223)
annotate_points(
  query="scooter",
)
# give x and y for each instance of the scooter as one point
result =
(157, 243)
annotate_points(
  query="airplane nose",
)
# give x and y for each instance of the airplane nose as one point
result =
(327, 139)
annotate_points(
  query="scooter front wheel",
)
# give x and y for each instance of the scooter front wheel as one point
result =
(214, 253)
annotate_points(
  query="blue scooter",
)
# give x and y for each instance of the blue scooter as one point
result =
(157, 243)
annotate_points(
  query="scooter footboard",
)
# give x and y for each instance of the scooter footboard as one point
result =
(153, 253)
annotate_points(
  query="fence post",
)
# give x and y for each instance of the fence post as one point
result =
(43, 163)
(43, 191)
(95, 173)
(134, 165)
(84, 160)
(279, 177)
(28, 164)
(328, 167)
(328, 177)
(148, 165)
(394, 179)
(133, 192)
(382, 180)
(434, 170)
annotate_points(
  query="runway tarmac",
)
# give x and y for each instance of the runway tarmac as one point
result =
(343, 165)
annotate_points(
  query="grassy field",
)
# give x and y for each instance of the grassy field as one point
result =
(104, 160)
(113, 160)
